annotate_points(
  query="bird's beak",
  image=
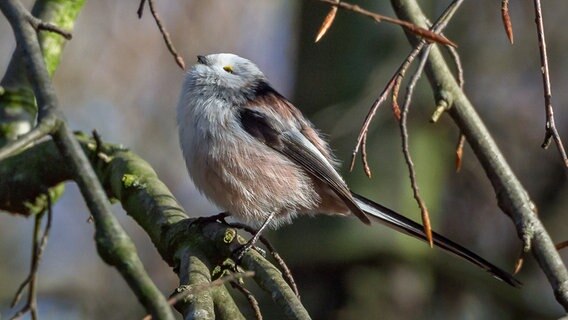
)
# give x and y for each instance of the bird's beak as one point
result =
(202, 59)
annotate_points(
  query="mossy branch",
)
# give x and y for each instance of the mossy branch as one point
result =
(192, 249)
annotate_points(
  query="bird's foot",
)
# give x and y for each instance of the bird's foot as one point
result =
(239, 253)
(217, 217)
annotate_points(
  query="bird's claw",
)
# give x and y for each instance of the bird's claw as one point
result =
(240, 252)
(203, 220)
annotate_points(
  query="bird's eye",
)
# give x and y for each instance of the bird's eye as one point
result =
(229, 69)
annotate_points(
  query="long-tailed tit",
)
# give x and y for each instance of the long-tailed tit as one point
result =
(252, 153)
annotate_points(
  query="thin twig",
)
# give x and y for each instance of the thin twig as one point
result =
(38, 24)
(215, 283)
(38, 248)
(550, 128)
(461, 81)
(370, 115)
(405, 145)
(512, 197)
(364, 159)
(140, 10)
(507, 20)
(189, 290)
(251, 299)
(163, 31)
(422, 32)
(561, 245)
(442, 21)
(457, 61)
(280, 262)
(437, 27)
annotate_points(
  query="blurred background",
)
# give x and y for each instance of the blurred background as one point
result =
(117, 76)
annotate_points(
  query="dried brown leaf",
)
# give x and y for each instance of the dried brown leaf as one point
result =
(327, 22)
(427, 225)
(459, 152)
(507, 20)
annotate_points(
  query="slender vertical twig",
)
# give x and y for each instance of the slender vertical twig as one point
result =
(38, 247)
(163, 31)
(550, 128)
(405, 144)
(250, 298)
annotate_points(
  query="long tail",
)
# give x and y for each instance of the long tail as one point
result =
(398, 222)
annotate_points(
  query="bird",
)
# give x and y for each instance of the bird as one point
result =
(251, 152)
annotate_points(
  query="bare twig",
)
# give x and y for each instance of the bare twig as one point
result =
(507, 20)
(551, 131)
(370, 115)
(189, 290)
(251, 299)
(512, 197)
(162, 28)
(327, 22)
(397, 76)
(461, 81)
(422, 32)
(364, 159)
(457, 61)
(405, 147)
(37, 251)
(395, 83)
(561, 245)
(140, 10)
(280, 262)
(38, 24)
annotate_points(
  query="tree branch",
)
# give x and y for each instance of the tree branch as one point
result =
(194, 270)
(225, 306)
(113, 244)
(147, 200)
(512, 197)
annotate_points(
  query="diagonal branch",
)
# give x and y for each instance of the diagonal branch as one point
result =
(512, 198)
(134, 183)
(417, 30)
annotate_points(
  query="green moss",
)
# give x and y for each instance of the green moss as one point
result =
(230, 235)
(40, 203)
(132, 181)
(63, 14)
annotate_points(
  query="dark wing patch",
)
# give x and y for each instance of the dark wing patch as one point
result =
(290, 144)
(257, 125)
